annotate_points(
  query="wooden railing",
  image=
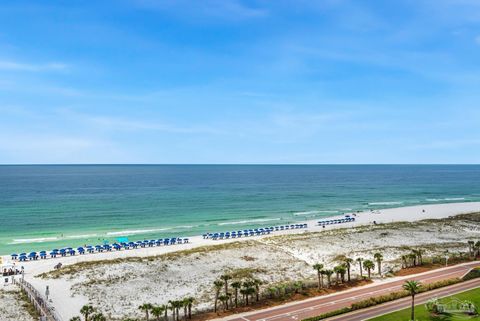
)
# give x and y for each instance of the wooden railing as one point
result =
(47, 312)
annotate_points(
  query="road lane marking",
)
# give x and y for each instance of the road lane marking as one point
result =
(368, 294)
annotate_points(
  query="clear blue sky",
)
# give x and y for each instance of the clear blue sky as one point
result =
(230, 81)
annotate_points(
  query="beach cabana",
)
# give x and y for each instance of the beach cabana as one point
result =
(14, 256)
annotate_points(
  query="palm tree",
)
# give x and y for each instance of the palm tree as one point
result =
(412, 287)
(76, 319)
(146, 307)
(420, 256)
(348, 264)
(368, 265)
(379, 258)
(413, 259)
(171, 307)
(257, 283)
(477, 247)
(319, 268)
(225, 278)
(98, 317)
(236, 285)
(329, 273)
(249, 291)
(157, 312)
(189, 301)
(223, 298)
(404, 262)
(86, 310)
(218, 285)
(243, 292)
(178, 304)
(360, 260)
(342, 269)
(336, 269)
(470, 247)
(165, 311)
(185, 308)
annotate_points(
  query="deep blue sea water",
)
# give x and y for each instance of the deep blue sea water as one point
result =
(54, 206)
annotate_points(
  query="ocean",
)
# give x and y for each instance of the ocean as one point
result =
(54, 206)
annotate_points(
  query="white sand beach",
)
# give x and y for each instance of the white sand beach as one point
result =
(125, 279)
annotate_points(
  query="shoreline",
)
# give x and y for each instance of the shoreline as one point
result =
(389, 215)
(74, 238)
(282, 256)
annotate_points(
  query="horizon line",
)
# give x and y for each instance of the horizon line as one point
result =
(237, 164)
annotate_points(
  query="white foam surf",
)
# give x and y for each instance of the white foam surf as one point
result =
(251, 221)
(385, 203)
(35, 240)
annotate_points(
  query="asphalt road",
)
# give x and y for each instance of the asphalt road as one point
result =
(315, 306)
(385, 308)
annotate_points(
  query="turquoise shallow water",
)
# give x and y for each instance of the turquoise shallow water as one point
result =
(42, 207)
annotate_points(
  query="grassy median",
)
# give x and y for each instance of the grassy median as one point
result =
(421, 313)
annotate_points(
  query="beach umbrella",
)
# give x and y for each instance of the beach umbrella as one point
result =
(23, 254)
(14, 256)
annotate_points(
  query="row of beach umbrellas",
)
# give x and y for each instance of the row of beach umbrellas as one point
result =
(252, 232)
(347, 219)
(68, 251)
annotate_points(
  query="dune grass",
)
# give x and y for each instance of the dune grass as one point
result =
(421, 313)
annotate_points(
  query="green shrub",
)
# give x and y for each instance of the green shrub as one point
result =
(329, 314)
(473, 274)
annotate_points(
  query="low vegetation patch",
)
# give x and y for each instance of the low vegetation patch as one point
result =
(82, 266)
(473, 274)
(382, 299)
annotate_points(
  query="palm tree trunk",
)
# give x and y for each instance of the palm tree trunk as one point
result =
(413, 308)
(319, 281)
(369, 274)
(361, 271)
(236, 298)
(379, 268)
(348, 273)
